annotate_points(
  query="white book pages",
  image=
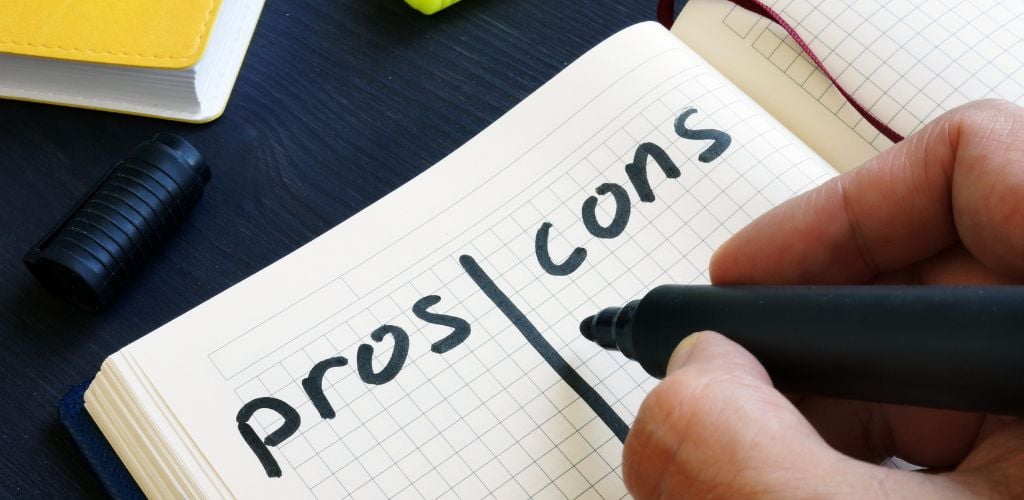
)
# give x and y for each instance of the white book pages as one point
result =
(429, 345)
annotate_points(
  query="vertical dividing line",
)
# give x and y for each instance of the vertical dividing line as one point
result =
(571, 377)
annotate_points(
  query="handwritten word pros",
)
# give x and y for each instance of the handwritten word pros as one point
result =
(460, 328)
(313, 384)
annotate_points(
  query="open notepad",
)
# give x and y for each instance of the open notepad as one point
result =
(429, 346)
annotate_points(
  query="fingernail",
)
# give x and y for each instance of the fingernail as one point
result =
(682, 352)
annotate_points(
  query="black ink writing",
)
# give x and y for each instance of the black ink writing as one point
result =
(571, 377)
(313, 384)
(637, 173)
(720, 139)
(570, 264)
(637, 170)
(619, 220)
(261, 447)
(364, 356)
(460, 327)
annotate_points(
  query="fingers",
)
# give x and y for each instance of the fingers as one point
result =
(716, 427)
(994, 468)
(959, 178)
(952, 266)
(874, 432)
(956, 266)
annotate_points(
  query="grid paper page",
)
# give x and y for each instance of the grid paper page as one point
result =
(493, 402)
(486, 415)
(905, 60)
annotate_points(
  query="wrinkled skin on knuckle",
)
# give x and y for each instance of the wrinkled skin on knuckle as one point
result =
(988, 206)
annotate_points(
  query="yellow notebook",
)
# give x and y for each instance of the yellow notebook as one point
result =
(174, 59)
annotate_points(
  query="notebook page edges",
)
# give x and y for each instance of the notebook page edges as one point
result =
(198, 93)
(772, 70)
(429, 344)
(914, 59)
(906, 61)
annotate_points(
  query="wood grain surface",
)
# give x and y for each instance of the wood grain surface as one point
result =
(338, 103)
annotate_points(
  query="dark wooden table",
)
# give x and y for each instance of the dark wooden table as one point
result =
(338, 103)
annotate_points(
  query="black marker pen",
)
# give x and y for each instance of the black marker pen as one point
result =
(944, 347)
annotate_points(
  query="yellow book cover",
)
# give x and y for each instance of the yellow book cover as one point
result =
(174, 59)
(167, 34)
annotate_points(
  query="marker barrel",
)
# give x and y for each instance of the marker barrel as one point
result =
(944, 347)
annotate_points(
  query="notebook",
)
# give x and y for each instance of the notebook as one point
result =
(907, 61)
(429, 347)
(169, 59)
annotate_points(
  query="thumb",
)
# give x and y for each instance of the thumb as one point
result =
(715, 427)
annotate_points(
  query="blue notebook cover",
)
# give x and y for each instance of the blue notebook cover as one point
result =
(104, 462)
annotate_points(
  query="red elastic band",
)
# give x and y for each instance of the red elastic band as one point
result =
(665, 15)
(666, 12)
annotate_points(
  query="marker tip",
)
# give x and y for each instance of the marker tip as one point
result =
(586, 328)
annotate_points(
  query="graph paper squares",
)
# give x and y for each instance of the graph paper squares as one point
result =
(906, 61)
(490, 418)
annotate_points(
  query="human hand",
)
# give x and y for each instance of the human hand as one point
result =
(945, 206)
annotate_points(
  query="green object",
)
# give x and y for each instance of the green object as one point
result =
(430, 6)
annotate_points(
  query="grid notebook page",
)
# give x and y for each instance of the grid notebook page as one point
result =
(907, 61)
(429, 346)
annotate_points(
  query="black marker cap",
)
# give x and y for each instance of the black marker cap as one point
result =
(120, 222)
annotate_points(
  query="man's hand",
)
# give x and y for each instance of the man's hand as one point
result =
(945, 206)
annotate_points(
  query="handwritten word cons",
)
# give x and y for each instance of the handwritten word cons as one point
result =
(636, 171)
